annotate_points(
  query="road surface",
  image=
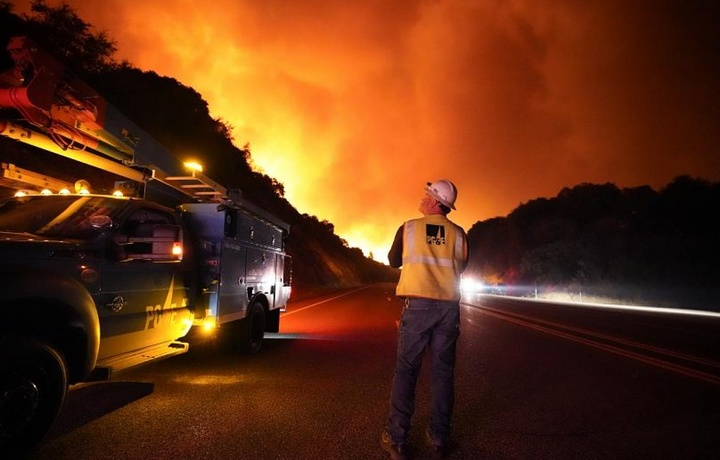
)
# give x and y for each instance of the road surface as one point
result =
(527, 388)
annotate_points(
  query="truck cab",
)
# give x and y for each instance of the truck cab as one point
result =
(119, 250)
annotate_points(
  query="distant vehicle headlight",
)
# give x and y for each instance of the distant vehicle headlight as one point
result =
(471, 285)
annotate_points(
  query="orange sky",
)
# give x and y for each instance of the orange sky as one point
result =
(353, 106)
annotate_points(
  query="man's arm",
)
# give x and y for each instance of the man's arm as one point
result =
(396, 250)
(466, 252)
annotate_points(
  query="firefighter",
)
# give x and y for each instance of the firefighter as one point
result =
(433, 253)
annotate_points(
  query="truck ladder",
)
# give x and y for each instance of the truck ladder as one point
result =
(196, 185)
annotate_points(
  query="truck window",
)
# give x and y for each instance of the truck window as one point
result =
(70, 217)
(140, 225)
(141, 222)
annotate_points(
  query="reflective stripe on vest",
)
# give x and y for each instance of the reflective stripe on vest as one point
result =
(432, 259)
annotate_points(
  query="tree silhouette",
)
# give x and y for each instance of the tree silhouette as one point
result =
(178, 117)
(632, 244)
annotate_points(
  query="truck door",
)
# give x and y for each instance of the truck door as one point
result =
(283, 280)
(143, 301)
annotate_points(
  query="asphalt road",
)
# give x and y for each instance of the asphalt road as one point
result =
(319, 390)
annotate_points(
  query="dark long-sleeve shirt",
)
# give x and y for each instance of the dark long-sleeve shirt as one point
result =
(396, 250)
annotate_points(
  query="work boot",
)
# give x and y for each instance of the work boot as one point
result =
(439, 449)
(396, 451)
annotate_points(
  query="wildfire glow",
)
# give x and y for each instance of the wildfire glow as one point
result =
(353, 106)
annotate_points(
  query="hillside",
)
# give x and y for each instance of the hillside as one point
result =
(600, 242)
(591, 241)
(178, 117)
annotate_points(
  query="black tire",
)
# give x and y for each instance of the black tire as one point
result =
(252, 329)
(33, 384)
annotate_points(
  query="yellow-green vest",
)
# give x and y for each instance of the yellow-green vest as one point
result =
(432, 259)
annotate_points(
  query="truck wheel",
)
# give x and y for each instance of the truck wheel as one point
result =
(33, 383)
(252, 329)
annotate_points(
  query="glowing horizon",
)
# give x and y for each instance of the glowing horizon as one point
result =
(353, 107)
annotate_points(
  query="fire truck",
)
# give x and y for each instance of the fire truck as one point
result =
(94, 283)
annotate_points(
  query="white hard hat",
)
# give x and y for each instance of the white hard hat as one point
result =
(444, 191)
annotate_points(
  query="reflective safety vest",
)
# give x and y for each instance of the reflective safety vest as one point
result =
(432, 258)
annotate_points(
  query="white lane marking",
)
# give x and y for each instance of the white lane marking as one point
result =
(288, 313)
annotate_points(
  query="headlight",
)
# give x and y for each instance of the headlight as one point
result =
(471, 285)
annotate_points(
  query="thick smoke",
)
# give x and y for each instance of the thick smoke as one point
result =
(353, 106)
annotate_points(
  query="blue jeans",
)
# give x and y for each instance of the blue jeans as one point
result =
(433, 325)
